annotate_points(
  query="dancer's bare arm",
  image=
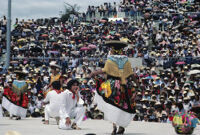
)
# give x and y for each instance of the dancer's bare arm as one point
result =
(100, 71)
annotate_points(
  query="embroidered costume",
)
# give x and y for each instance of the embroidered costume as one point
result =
(115, 95)
(185, 123)
(15, 99)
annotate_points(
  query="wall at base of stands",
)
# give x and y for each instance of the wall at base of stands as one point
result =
(135, 62)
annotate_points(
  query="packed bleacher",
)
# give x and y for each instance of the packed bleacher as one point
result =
(165, 34)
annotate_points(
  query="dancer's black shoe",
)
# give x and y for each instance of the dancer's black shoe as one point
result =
(114, 130)
(120, 131)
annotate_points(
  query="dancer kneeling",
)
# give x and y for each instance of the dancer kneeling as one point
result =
(71, 107)
(115, 95)
(53, 102)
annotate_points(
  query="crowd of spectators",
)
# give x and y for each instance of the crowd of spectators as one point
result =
(167, 38)
(3, 23)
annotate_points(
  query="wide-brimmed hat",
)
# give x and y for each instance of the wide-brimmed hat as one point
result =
(116, 44)
(12, 133)
(158, 103)
(54, 64)
(180, 100)
(186, 98)
(21, 72)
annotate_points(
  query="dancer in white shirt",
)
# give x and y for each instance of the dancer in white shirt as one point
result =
(53, 102)
(71, 107)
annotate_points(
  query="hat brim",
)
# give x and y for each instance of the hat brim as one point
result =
(56, 66)
(20, 72)
(116, 44)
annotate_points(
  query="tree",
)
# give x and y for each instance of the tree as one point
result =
(70, 10)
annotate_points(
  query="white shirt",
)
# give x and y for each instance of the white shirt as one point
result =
(39, 104)
(31, 108)
(187, 106)
(68, 103)
(54, 102)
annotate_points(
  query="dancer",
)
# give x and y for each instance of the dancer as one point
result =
(52, 102)
(15, 98)
(115, 94)
(71, 107)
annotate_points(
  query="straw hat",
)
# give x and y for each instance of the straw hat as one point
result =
(186, 98)
(158, 103)
(187, 88)
(157, 78)
(171, 97)
(143, 99)
(21, 72)
(162, 96)
(54, 64)
(12, 133)
(116, 44)
(180, 100)
(1, 89)
(165, 78)
(10, 80)
(185, 92)
(176, 88)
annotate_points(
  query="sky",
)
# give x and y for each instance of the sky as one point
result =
(33, 9)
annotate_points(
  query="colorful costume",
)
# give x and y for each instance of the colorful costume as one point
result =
(184, 123)
(15, 99)
(115, 95)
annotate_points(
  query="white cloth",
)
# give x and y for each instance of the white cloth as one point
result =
(13, 109)
(1, 111)
(39, 104)
(52, 109)
(77, 113)
(70, 108)
(112, 113)
(187, 106)
(31, 108)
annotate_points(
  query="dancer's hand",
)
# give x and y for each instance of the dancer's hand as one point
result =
(68, 121)
(90, 75)
(77, 93)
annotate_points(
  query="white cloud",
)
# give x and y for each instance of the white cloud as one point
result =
(44, 8)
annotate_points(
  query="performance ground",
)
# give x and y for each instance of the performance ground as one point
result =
(34, 126)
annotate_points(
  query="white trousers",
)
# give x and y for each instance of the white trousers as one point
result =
(78, 113)
(50, 113)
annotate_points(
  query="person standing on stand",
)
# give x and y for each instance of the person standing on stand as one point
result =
(56, 76)
(115, 94)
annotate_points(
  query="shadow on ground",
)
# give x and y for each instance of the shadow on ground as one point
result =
(129, 134)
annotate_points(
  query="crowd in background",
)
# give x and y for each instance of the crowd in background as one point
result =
(167, 38)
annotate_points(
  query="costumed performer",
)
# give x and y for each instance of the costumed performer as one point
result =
(15, 98)
(115, 95)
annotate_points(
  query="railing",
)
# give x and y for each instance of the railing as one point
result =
(170, 61)
(151, 61)
(136, 16)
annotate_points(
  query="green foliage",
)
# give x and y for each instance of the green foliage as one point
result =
(70, 10)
